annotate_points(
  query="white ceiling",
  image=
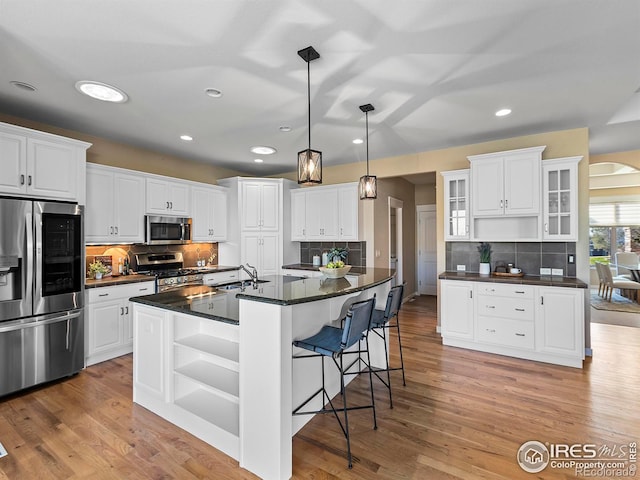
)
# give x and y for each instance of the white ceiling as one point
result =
(435, 71)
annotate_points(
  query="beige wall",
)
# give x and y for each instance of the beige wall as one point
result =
(425, 194)
(631, 158)
(106, 152)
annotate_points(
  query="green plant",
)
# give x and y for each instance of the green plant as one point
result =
(338, 252)
(97, 267)
(485, 252)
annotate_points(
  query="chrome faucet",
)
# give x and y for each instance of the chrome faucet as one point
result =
(253, 273)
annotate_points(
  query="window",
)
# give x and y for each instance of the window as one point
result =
(613, 227)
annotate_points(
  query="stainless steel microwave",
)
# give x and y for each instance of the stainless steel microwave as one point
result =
(167, 230)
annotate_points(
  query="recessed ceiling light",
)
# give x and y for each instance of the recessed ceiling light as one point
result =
(263, 150)
(186, 138)
(503, 112)
(358, 141)
(285, 128)
(101, 91)
(213, 92)
(23, 86)
(258, 160)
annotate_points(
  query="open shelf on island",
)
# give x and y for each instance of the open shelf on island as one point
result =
(217, 378)
(220, 347)
(212, 408)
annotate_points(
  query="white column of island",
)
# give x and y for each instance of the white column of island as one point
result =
(219, 364)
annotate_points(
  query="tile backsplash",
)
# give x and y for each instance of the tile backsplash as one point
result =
(357, 255)
(191, 253)
(529, 256)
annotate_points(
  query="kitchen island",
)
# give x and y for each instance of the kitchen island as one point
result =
(218, 362)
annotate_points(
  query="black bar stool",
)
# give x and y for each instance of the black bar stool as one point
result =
(383, 320)
(332, 342)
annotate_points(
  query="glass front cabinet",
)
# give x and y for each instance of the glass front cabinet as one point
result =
(456, 206)
(560, 199)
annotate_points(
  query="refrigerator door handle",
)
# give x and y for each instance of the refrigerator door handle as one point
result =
(67, 343)
(28, 255)
(38, 321)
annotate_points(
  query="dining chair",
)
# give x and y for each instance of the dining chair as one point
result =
(612, 282)
(624, 260)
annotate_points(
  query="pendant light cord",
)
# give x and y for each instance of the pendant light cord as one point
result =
(366, 116)
(309, 101)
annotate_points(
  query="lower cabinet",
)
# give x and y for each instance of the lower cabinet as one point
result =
(109, 331)
(186, 369)
(525, 321)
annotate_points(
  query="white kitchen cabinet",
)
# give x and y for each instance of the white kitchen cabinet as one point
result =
(532, 322)
(209, 213)
(457, 309)
(261, 250)
(456, 205)
(167, 197)
(322, 214)
(109, 329)
(219, 278)
(348, 204)
(115, 205)
(151, 342)
(506, 183)
(42, 165)
(298, 215)
(560, 322)
(261, 205)
(560, 199)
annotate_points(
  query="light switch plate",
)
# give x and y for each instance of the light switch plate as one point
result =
(462, 268)
(545, 271)
(557, 271)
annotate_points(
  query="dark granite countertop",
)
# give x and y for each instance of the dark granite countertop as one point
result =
(118, 280)
(547, 281)
(223, 305)
(311, 267)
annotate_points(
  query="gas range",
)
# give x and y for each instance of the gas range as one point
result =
(168, 268)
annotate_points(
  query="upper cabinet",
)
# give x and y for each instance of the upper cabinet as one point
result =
(560, 199)
(209, 213)
(115, 205)
(260, 206)
(506, 183)
(167, 197)
(41, 165)
(326, 213)
(456, 205)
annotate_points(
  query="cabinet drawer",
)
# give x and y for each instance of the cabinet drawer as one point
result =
(220, 277)
(506, 332)
(505, 290)
(505, 307)
(116, 292)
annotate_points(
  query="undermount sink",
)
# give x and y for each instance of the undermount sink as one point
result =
(237, 285)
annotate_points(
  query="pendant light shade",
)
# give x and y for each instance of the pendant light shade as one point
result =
(309, 161)
(368, 186)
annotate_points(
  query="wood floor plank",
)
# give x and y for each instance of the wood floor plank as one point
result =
(462, 415)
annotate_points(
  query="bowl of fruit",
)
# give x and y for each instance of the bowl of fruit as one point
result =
(335, 269)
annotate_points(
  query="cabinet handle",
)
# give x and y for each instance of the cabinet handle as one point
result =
(167, 205)
(491, 330)
(501, 204)
(541, 300)
(111, 230)
(519, 309)
(520, 335)
(29, 180)
(103, 294)
(21, 179)
(143, 289)
(341, 231)
(519, 291)
(116, 230)
(490, 306)
(121, 311)
(126, 310)
(471, 294)
(304, 232)
(171, 205)
(546, 227)
(506, 204)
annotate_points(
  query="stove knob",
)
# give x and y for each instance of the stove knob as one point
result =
(171, 280)
(178, 280)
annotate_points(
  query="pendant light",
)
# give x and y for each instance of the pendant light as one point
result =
(309, 161)
(368, 186)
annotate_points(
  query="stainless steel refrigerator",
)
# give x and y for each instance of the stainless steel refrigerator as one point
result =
(41, 292)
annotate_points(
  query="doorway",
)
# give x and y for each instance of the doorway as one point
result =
(427, 250)
(395, 238)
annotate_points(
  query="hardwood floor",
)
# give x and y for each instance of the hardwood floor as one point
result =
(462, 415)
